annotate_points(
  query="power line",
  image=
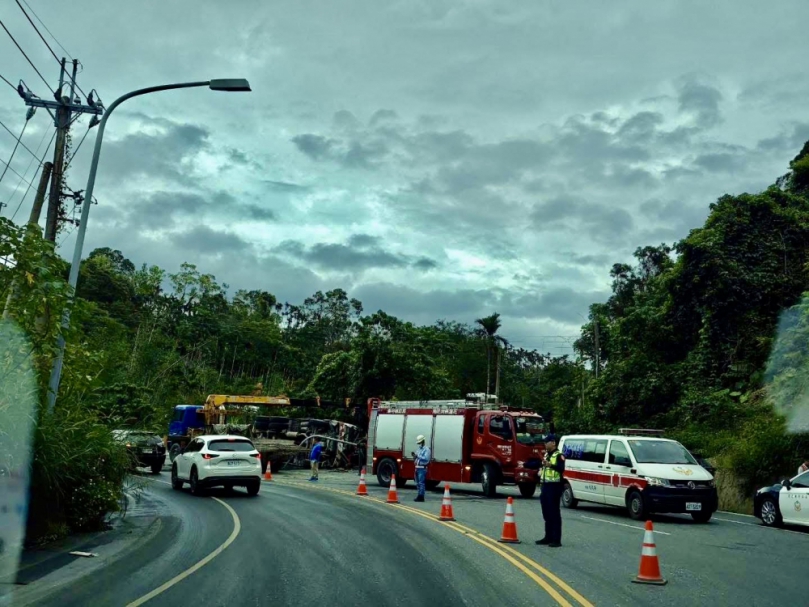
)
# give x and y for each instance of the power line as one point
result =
(27, 57)
(30, 183)
(15, 172)
(18, 138)
(36, 29)
(4, 79)
(76, 151)
(55, 39)
(14, 151)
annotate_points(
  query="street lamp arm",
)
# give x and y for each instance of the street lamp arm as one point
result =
(73, 279)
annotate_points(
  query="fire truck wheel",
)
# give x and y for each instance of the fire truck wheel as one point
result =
(384, 471)
(527, 490)
(488, 479)
(568, 500)
(432, 485)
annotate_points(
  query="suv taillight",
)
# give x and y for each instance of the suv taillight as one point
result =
(258, 455)
(209, 455)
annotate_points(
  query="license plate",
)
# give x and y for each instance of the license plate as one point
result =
(691, 506)
(146, 450)
(234, 463)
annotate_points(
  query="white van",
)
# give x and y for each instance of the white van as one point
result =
(642, 473)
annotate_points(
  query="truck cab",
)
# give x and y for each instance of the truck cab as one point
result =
(508, 448)
(185, 419)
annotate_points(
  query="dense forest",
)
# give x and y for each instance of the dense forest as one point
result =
(706, 338)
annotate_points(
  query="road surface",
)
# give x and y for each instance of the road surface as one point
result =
(301, 543)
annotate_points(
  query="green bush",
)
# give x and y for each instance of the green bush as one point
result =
(77, 477)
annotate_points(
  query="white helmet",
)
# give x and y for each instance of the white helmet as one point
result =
(420, 439)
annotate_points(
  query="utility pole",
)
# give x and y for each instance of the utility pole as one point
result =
(63, 109)
(598, 349)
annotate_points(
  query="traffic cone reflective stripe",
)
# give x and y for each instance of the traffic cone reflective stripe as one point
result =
(446, 506)
(362, 489)
(267, 473)
(649, 572)
(393, 498)
(509, 525)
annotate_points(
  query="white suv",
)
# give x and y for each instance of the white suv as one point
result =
(218, 461)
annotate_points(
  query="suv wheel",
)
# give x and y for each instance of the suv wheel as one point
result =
(176, 483)
(194, 482)
(252, 488)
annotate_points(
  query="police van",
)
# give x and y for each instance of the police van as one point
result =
(637, 470)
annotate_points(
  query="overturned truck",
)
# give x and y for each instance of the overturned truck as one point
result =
(280, 439)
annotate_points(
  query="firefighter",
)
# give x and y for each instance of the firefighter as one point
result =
(553, 469)
(421, 459)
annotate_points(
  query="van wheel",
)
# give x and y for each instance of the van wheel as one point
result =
(568, 500)
(635, 505)
(384, 471)
(488, 479)
(703, 516)
(527, 490)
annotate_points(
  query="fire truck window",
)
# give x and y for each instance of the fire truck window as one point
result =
(480, 425)
(501, 426)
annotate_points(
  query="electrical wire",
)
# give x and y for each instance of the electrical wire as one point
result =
(42, 23)
(76, 151)
(18, 139)
(27, 57)
(14, 151)
(4, 79)
(30, 183)
(41, 37)
(15, 172)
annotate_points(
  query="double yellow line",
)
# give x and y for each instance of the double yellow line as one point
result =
(514, 557)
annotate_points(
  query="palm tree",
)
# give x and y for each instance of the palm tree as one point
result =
(489, 325)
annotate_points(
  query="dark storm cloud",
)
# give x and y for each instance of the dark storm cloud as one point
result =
(382, 115)
(676, 216)
(641, 126)
(723, 162)
(202, 239)
(163, 154)
(789, 140)
(363, 252)
(350, 153)
(283, 186)
(571, 213)
(701, 100)
(316, 147)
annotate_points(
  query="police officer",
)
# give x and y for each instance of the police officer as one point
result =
(553, 469)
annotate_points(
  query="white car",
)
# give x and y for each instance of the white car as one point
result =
(218, 461)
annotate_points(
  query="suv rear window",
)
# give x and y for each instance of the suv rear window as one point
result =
(231, 445)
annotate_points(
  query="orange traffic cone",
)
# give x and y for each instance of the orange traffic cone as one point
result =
(509, 525)
(649, 566)
(446, 506)
(362, 489)
(267, 473)
(392, 497)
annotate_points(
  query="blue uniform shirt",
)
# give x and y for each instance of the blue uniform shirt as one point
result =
(314, 455)
(422, 457)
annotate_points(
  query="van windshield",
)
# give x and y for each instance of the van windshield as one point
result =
(660, 452)
(530, 430)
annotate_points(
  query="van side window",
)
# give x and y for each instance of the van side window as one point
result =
(619, 456)
(501, 426)
(586, 450)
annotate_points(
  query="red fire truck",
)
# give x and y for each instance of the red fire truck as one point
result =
(469, 444)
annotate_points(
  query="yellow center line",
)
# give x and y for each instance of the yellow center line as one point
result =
(501, 549)
(237, 527)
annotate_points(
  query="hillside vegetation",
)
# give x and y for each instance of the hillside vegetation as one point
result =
(706, 338)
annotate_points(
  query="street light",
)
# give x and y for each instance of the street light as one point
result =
(231, 85)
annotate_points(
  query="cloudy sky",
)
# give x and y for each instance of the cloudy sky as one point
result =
(435, 159)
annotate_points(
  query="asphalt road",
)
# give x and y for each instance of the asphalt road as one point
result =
(301, 543)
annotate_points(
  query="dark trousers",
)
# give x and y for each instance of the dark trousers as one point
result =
(551, 501)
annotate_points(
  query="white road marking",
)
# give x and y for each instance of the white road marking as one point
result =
(760, 526)
(237, 527)
(601, 520)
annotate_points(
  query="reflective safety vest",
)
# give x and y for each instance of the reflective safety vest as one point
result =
(551, 475)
